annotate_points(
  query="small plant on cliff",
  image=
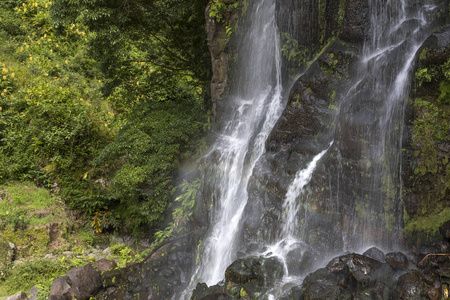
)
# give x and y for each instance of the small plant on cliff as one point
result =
(220, 8)
(182, 212)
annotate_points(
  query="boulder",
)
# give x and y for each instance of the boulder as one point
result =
(203, 292)
(397, 260)
(18, 296)
(322, 284)
(33, 294)
(364, 270)
(264, 271)
(375, 253)
(86, 281)
(410, 286)
(103, 265)
(60, 289)
(251, 277)
(445, 230)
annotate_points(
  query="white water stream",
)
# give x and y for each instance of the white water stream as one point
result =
(256, 102)
(256, 106)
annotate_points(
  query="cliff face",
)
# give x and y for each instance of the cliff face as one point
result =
(219, 25)
(370, 182)
(427, 144)
(366, 82)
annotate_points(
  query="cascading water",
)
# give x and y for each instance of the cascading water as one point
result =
(374, 108)
(255, 107)
(366, 191)
(291, 206)
(381, 84)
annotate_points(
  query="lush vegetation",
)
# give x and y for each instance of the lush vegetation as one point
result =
(101, 100)
(430, 167)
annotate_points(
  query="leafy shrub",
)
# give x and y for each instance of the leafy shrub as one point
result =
(25, 275)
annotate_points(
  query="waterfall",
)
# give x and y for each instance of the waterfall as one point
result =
(382, 85)
(256, 105)
(291, 206)
(374, 108)
(366, 190)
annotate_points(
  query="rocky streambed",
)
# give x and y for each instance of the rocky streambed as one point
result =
(422, 273)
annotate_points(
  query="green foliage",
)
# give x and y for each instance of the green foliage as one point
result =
(430, 174)
(141, 159)
(342, 8)
(156, 63)
(444, 87)
(124, 254)
(424, 75)
(219, 8)
(428, 130)
(112, 154)
(293, 52)
(16, 200)
(166, 33)
(182, 211)
(47, 121)
(25, 275)
(428, 224)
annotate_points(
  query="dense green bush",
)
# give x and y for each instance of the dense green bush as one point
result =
(102, 102)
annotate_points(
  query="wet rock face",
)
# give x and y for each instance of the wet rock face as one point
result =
(264, 272)
(355, 276)
(308, 124)
(303, 131)
(397, 260)
(425, 177)
(355, 27)
(217, 44)
(246, 278)
(375, 253)
(445, 231)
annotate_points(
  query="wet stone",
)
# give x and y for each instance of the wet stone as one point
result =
(265, 271)
(103, 265)
(336, 265)
(375, 253)
(444, 230)
(321, 284)
(397, 260)
(410, 287)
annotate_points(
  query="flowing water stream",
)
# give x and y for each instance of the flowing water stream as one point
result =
(256, 105)
(398, 29)
(374, 108)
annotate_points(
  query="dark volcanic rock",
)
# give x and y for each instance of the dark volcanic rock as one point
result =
(364, 270)
(60, 289)
(375, 253)
(264, 271)
(350, 276)
(252, 276)
(445, 230)
(321, 284)
(397, 260)
(410, 286)
(203, 292)
(301, 259)
(85, 282)
(356, 22)
(103, 265)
